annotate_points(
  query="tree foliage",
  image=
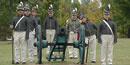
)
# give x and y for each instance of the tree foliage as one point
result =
(62, 11)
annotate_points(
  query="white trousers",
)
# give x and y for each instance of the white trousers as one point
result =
(92, 45)
(73, 52)
(30, 46)
(19, 46)
(50, 34)
(107, 47)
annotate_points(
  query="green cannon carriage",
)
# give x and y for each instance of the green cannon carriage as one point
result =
(60, 44)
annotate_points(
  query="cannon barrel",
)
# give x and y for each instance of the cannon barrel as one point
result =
(62, 32)
(59, 44)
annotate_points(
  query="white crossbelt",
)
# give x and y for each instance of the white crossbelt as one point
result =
(108, 26)
(19, 21)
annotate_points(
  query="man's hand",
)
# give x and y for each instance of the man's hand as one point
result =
(35, 39)
(114, 42)
(100, 42)
(26, 38)
(11, 26)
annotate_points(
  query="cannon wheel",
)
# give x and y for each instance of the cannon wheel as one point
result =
(83, 54)
(39, 49)
(40, 52)
(83, 44)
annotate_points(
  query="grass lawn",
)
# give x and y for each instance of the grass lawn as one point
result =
(121, 55)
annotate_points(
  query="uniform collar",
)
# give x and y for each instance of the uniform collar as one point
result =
(106, 19)
(20, 15)
(83, 23)
(28, 15)
(86, 22)
(73, 19)
(50, 17)
(34, 16)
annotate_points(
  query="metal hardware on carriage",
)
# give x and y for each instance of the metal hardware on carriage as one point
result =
(59, 44)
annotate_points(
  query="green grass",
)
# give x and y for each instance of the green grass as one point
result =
(121, 55)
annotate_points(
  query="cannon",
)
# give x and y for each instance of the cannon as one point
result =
(60, 44)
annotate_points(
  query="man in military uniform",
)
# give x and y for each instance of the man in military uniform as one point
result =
(32, 27)
(20, 34)
(72, 28)
(107, 36)
(34, 13)
(50, 27)
(90, 36)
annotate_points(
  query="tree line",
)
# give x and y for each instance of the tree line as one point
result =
(62, 11)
